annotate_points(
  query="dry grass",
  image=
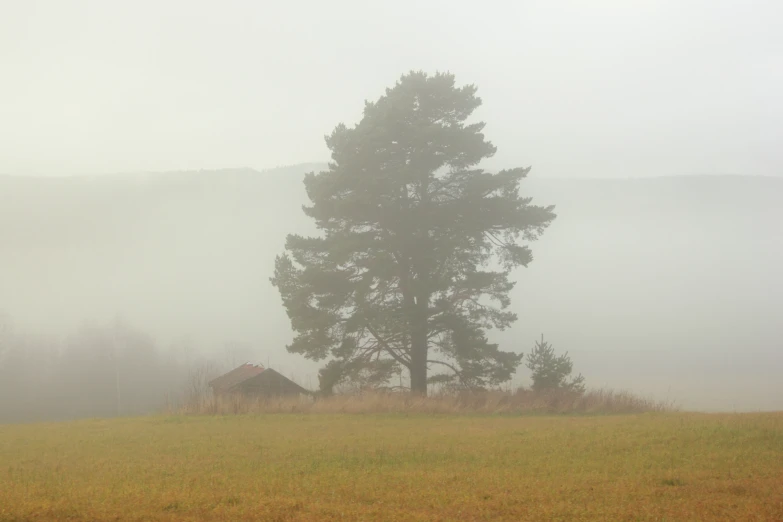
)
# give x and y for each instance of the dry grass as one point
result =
(495, 402)
(653, 466)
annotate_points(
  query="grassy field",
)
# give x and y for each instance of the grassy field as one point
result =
(656, 466)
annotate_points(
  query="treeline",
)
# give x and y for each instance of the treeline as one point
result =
(97, 371)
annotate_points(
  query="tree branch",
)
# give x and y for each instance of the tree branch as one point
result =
(397, 357)
(456, 371)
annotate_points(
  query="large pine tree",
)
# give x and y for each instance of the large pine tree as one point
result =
(417, 245)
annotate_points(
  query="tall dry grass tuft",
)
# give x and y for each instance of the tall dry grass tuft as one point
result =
(490, 402)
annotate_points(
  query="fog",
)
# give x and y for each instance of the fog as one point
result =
(576, 89)
(669, 287)
(136, 180)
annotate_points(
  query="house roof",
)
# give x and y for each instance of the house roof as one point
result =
(236, 376)
(271, 379)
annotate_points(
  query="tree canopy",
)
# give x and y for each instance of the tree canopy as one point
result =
(416, 247)
(550, 371)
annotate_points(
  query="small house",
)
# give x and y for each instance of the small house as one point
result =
(256, 381)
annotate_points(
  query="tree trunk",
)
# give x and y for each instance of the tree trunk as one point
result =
(419, 371)
(419, 348)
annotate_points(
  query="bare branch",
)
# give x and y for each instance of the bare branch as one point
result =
(397, 357)
(455, 370)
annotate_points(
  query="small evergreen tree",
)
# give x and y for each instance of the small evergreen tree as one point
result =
(550, 371)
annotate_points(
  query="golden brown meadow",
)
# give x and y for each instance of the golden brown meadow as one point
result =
(405, 465)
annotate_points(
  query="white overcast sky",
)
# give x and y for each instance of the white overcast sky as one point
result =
(579, 88)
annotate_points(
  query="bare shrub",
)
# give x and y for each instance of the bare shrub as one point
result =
(196, 395)
(198, 380)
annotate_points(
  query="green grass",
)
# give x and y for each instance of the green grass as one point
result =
(658, 466)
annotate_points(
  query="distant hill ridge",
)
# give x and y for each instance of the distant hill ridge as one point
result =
(20, 195)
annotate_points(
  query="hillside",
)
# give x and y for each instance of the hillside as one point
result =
(668, 286)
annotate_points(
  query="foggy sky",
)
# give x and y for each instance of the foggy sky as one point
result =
(573, 88)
